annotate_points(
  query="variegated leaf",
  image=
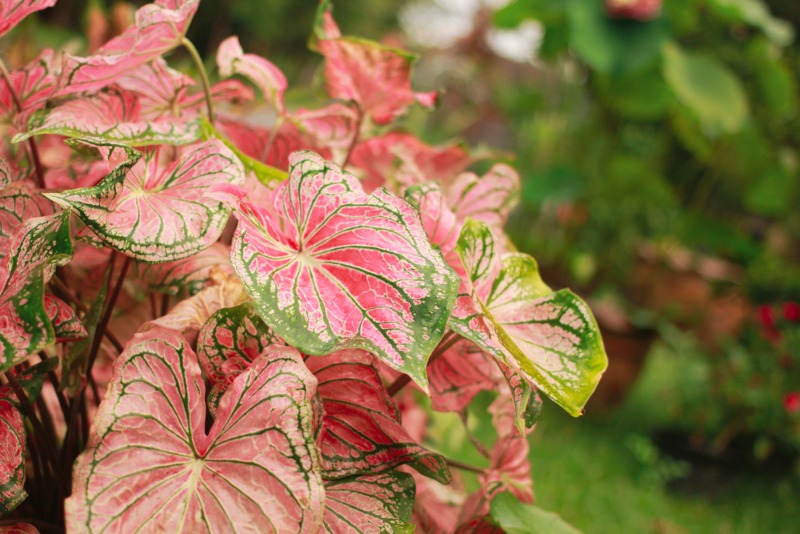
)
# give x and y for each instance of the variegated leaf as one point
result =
(238, 137)
(159, 27)
(19, 528)
(370, 504)
(158, 210)
(12, 454)
(342, 269)
(397, 160)
(36, 248)
(113, 116)
(269, 79)
(7, 173)
(333, 127)
(361, 431)
(191, 274)
(458, 375)
(33, 85)
(229, 342)
(488, 198)
(375, 76)
(66, 325)
(19, 202)
(255, 470)
(551, 338)
(13, 11)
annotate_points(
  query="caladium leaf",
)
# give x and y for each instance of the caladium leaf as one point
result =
(375, 76)
(19, 202)
(7, 174)
(361, 430)
(488, 199)
(370, 504)
(230, 340)
(13, 11)
(269, 79)
(37, 246)
(342, 269)
(66, 325)
(12, 454)
(231, 135)
(113, 116)
(254, 470)
(159, 27)
(458, 375)
(397, 160)
(158, 211)
(192, 273)
(333, 127)
(33, 86)
(551, 338)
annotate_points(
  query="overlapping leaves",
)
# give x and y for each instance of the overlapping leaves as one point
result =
(331, 267)
(254, 470)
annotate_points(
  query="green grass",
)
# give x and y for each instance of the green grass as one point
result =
(588, 471)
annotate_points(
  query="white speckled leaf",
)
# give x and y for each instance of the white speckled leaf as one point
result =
(370, 504)
(255, 470)
(158, 211)
(337, 268)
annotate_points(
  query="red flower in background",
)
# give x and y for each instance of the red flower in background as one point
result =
(791, 402)
(633, 9)
(791, 311)
(766, 318)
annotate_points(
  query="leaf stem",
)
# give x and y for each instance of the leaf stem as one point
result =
(449, 339)
(198, 62)
(37, 162)
(465, 467)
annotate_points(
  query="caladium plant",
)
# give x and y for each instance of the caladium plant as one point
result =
(162, 373)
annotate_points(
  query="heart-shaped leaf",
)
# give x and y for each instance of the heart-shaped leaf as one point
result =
(361, 430)
(113, 116)
(255, 470)
(159, 27)
(375, 76)
(158, 210)
(370, 504)
(551, 338)
(488, 198)
(269, 79)
(332, 267)
(13, 11)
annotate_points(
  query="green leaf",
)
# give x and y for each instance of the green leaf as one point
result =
(756, 13)
(610, 45)
(775, 80)
(708, 88)
(517, 518)
(643, 95)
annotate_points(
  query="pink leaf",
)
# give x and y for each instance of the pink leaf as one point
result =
(375, 76)
(231, 60)
(34, 85)
(66, 325)
(159, 28)
(260, 144)
(370, 504)
(115, 116)
(458, 375)
(488, 199)
(192, 273)
(19, 202)
(12, 454)
(158, 210)
(333, 127)
(347, 270)
(361, 430)
(13, 11)
(254, 470)
(397, 160)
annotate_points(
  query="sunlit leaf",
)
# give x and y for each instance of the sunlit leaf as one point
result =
(159, 27)
(158, 210)
(551, 338)
(488, 198)
(13, 11)
(114, 116)
(361, 431)
(255, 469)
(375, 76)
(341, 269)
(370, 504)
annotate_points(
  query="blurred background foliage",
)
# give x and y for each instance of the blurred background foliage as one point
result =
(658, 148)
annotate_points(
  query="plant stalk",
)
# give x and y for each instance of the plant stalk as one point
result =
(198, 62)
